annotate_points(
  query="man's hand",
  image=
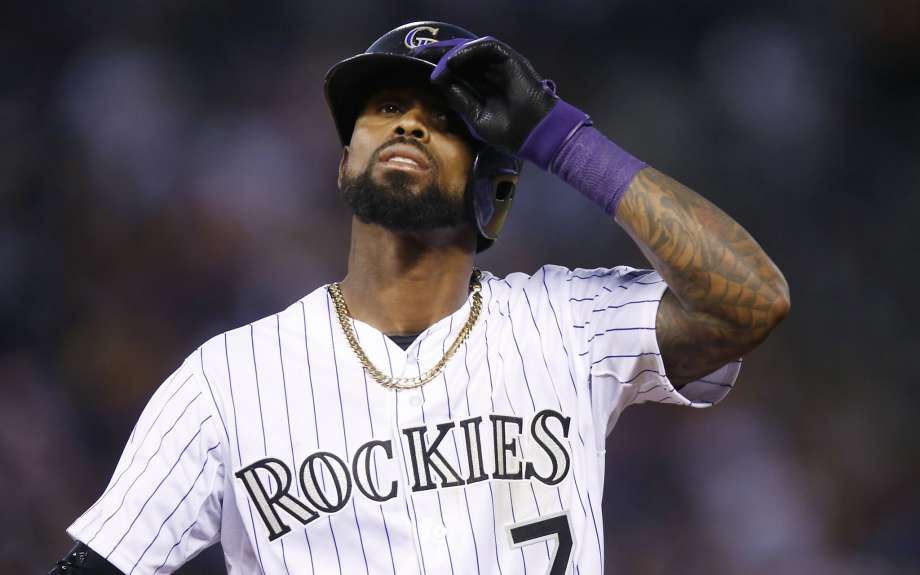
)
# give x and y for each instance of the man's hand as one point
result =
(495, 90)
(504, 101)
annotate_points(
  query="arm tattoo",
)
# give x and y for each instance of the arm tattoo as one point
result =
(724, 293)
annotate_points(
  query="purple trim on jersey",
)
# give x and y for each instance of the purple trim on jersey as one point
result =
(137, 450)
(287, 414)
(157, 488)
(146, 465)
(338, 386)
(239, 451)
(322, 476)
(176, 508)
(370, 420)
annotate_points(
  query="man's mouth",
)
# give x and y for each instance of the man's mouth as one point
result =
(404, 157)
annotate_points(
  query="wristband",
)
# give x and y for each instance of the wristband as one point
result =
(552, 133)
(596, 167)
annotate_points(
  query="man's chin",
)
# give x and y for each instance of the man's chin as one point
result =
(400, 201)
(401, 180)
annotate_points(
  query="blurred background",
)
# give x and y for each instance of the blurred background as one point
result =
(167, 172)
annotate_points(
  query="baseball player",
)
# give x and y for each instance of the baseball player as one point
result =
(422, 416)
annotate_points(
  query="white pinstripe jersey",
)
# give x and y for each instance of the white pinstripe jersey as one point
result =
(271, 438)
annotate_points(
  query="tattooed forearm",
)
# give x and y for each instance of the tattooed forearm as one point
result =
(725, 294)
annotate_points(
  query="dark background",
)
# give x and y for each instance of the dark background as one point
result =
(167, 172)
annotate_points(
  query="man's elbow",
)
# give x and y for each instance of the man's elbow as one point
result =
(774, 309)
(781, 304)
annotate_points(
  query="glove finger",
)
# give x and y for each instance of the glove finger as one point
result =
(441, 72)
(480, 54)
(466, 103)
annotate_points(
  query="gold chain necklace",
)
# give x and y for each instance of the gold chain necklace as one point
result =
(388, 381)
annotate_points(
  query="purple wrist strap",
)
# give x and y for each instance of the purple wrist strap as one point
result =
(544, 142)
(596, 167)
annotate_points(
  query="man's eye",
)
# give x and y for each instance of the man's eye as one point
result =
(389, 108)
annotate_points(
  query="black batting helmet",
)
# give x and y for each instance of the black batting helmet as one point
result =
(351, 81)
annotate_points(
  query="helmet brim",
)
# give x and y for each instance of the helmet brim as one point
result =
(351, 82)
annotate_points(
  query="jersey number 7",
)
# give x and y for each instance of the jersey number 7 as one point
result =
(554, 526)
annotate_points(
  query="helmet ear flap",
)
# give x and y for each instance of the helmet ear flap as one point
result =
(495, 182)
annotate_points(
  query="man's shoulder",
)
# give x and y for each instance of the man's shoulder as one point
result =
(554, 277)
(520, 280)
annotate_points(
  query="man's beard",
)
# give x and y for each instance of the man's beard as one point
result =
(391, 204)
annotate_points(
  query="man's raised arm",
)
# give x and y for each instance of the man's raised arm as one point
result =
(725, 294)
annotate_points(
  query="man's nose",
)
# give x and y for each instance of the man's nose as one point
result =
(411, 124)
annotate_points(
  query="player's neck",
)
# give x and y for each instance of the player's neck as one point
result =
(402, 284)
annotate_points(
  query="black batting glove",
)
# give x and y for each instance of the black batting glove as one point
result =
(504, 101)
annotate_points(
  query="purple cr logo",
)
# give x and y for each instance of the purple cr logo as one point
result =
(421, 36)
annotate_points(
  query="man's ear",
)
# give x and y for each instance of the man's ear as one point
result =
(342, 163)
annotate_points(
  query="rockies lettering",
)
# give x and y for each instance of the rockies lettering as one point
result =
(272, 490)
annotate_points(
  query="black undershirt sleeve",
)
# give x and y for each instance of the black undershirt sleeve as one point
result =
(81, 560)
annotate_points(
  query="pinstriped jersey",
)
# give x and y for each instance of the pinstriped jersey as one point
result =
(273, 440)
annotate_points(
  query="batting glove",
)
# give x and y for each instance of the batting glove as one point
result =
(503, 100)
